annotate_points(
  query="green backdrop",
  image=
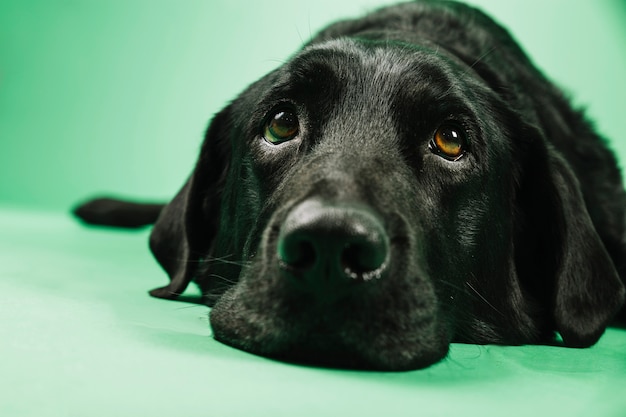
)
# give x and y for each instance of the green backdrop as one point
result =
(114, 95)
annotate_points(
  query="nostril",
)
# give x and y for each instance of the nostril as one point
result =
(364, 259)
(296, 252)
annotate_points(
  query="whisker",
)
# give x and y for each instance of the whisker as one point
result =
(224, 279)
(299, 35)
(185, 307)
(474, 292)
(471, 66)
(483, 298)
(211, 260)
(212, 297)
(451, 285)
(481, 57)
(277, 61)
(225, 260)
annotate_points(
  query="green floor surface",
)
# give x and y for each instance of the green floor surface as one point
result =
(79, 336)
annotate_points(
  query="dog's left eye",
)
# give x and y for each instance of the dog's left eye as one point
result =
(449, 142)
(281, 127)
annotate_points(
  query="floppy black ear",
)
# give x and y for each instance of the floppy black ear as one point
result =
(588, 290)
(187, 226)
(568, 268)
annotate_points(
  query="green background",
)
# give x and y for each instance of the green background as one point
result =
(114, 96)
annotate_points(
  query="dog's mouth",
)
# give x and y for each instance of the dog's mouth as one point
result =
(351, 333)
(323, 345)
(331, 288)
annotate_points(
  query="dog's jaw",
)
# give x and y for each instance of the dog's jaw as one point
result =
(355, 332)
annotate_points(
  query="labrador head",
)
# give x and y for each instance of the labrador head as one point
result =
(370, 202)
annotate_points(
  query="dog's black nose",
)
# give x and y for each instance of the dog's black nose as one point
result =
(324, 245)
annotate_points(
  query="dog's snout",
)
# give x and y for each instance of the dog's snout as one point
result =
(324, 245)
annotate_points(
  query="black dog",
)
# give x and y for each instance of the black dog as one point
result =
(406, 180)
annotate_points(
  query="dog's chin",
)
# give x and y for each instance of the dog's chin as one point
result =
(331, 350)
(344, 338)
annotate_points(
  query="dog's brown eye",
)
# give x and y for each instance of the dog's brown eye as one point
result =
(281, 127)
(449, 142)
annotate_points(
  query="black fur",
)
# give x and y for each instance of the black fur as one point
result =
(357, 243)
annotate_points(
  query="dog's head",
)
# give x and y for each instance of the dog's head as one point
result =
(371, 201)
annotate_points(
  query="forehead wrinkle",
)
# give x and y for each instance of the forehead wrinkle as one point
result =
(361, 61)
(382, 68)
(364, 114)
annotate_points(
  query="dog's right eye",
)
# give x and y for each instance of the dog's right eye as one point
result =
(449, 142)
(281, 127)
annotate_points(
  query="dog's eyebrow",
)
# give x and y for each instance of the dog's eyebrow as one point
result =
(313, 74)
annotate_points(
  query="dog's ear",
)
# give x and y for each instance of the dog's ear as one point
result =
(588, 290)
(562, 258)
(187, 226)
